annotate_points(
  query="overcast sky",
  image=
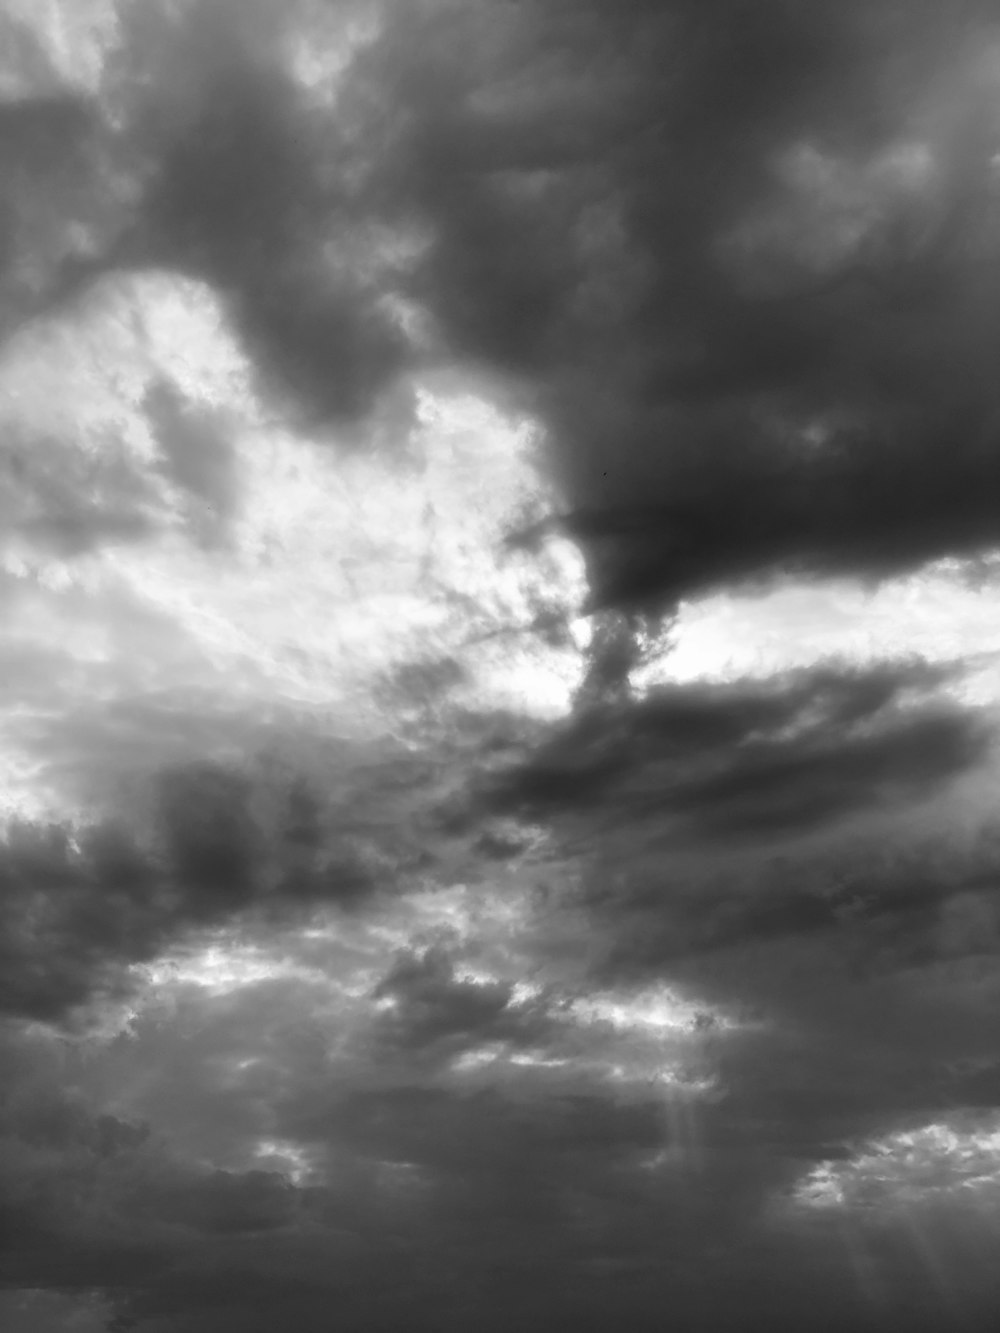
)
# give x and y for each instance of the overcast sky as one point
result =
(499, 628)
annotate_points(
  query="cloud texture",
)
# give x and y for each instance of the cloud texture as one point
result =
(498, 528)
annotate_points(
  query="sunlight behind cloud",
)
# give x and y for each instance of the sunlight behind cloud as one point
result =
(937, 614)
(290, 1159)
(939, 1160)
(221, 969)
(656, 1010)
(322, 44)
(354, 565)
(206, 550)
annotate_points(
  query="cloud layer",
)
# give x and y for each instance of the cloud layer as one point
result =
(497, 564)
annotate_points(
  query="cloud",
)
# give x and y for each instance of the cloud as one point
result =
(754, 759)
(413, 1173)
(224, 1202)
(99, 1202)
(51, 1312)
(51, 209)
(399, 945)
(429, 1003)
(238, 202)
(283, 820)
(893, 895)
(82, 905)
(209, 163)
(109, 442)
(60, 932)
(707, 432)
(197, 455)
(722, 404)
(405, 1162)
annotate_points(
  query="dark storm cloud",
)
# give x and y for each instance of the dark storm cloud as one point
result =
(754, 759)
(199, 156)
(63, 932)
(79, 907)
(464, 1135)
(864, 964)
(223, 174)
(605, 192)
(817, 922)
(453, 1197)
(504, 1212)
(91, 1201)
(53, 170)
(431, 1006)
(534, 1200)
(223, 1202)
(759, 332)
(239, 201)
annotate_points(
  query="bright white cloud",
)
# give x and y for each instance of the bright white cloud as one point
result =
(219, 969)
(936, 614)
(342, 562)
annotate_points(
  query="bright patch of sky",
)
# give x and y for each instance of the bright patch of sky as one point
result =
(938, 614)
(221, 969)
(651, 1011)
(337, 567)
(938, 1160)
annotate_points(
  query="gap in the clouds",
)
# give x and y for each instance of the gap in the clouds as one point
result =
(941, 614)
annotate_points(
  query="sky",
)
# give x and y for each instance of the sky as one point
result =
(499, 642)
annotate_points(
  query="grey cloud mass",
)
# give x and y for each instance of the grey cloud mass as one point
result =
(503, 976)
(746, 759)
